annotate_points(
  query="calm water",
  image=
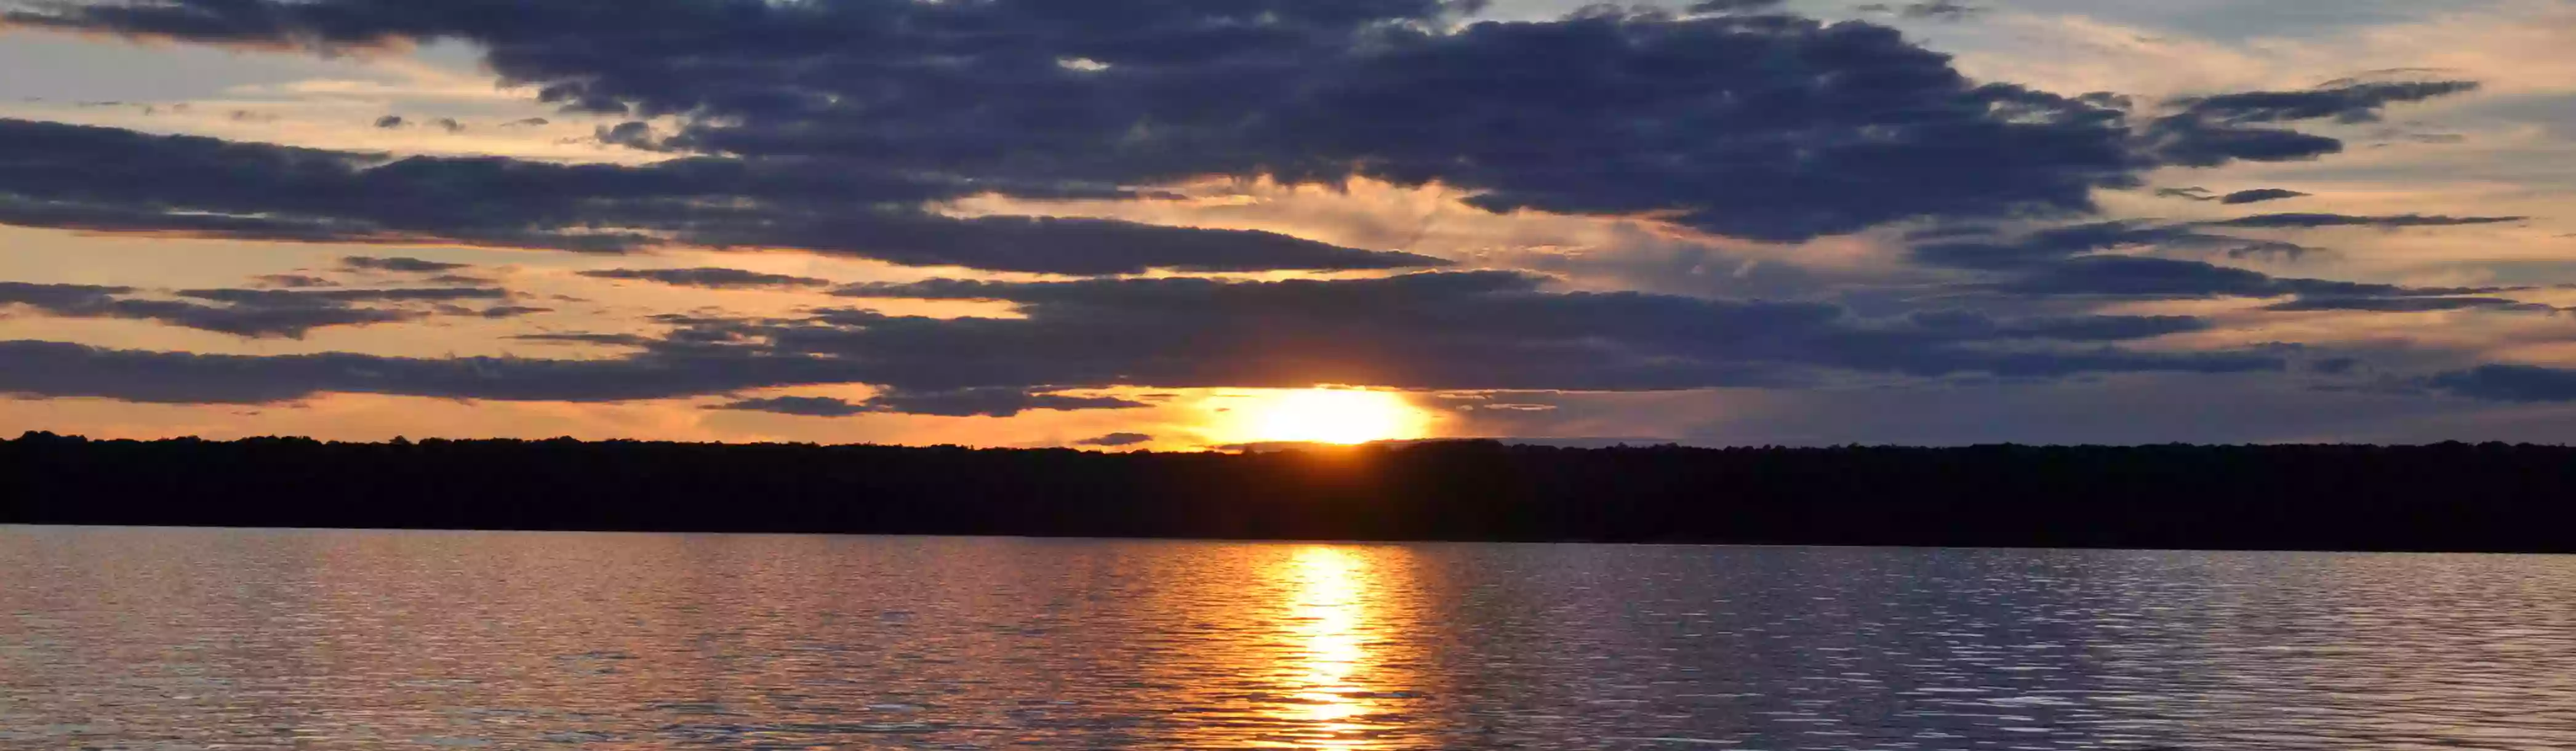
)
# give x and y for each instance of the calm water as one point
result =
(154, 639)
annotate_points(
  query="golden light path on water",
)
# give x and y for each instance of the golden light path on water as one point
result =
(1328, 617)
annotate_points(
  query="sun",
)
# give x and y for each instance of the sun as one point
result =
(1329, 415)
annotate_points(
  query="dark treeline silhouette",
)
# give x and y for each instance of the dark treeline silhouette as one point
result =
(2490, 497)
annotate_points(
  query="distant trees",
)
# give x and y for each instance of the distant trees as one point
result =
(2450, 496)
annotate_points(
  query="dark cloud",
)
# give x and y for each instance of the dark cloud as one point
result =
(2508, 383)
(2409, 304)
(2149, 277)
(1483, 330)
(1763, 126)
(1755, 126)
(2055, 244)
(1064, 245)
(1465, 331)
(619, 340)
(293, 281)
(2258, 195)
(971, 402)
(1118, 439)
(390, 122)
(527, 122)
(1735, 6)
(251, 319)
(448, 124)
(2068, 261)
(2213, 130)
(802, 406)
(711, 278)
(633, 135)
(1943, 10)
(2076, 328)
(113, 180)
(60, 369)
(985, 401)
(2194, 193)
(2306, 221)
(400, 265)
(2189, 141)
(255, 313)
(1948, 232)
(2346, 102)
(306, 298)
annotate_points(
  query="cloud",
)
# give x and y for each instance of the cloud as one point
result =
(2508, 383)
(2148, 277)
(251, 319)
(2056, 244)
(1761, 126)
(307, 298)
(2069, 261)
(2212, 130)
(1118, 439)
(252, 313)
(2346, 103)
(2193, 142)
(802, 406)
(2409, 304)
(712, 278)
(58, 369)
(509, 311)
(1445, 331)
(617, 340)
(399, 265)
(390, 122)
(2344, 220)
(2258, 195)
(293, 281)
(103, 179)
(448, 124)
(1941, 10)
(969, 402)
(1735, 6)
(986, 401)
(1480, 330)
(2078, 328)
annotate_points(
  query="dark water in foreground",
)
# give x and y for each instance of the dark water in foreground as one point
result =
(168, 639)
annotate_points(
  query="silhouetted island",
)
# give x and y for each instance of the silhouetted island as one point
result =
(2452, 496)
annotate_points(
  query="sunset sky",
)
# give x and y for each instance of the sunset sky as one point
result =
(1180, 225)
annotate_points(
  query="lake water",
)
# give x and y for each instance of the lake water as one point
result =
(194, 639)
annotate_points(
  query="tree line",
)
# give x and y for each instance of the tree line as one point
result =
(2451, 496)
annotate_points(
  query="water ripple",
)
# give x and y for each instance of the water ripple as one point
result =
(172, 639)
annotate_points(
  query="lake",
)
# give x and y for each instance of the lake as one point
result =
(251, 639)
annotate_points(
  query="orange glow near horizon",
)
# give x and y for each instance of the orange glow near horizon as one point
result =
(1323, 415)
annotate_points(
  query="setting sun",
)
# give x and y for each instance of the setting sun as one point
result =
(1324, 415)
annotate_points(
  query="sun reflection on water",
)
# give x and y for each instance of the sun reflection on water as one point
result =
(1326, 619)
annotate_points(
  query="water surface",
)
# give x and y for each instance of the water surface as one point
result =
(253, 639)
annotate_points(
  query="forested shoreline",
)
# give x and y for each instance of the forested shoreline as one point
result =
(2447, 497)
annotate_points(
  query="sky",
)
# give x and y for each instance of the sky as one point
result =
(1143, 224)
